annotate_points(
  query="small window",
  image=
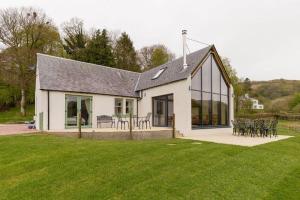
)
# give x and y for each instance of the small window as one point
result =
(129, 106)
(118, 106)
(158, 73)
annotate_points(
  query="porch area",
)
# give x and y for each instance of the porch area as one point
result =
(225, 136)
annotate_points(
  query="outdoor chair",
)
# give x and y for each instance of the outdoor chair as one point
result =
(274, 127)
(31, 124)
(235, 126)
(145, 120)
(122, 119)
(105, 119)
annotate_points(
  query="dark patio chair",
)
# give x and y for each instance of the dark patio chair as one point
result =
(145, 120)
(235, 126)
(274, 127)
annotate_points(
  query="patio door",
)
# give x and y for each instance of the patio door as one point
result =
(162, 110)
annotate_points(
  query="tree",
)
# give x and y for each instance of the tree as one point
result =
(25, 32)
(75, 39)
(235, 81)
(99, 49)
(126, 56)
(153, 56)
(294, 103)
(247, 85)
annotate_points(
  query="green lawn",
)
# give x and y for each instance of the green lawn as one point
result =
(50, 167)
(13, 115)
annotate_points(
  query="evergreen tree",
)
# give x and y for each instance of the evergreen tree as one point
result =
(99, 49)
(126, 57)
(75, 39)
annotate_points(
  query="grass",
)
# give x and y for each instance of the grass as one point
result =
(13, 115)
(49, 167)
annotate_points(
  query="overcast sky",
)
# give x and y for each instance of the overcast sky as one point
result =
(261, 37)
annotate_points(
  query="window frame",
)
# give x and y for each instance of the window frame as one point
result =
(78, 103)
(211, 60)
(118, 106)
(158, 73)
(131, 108)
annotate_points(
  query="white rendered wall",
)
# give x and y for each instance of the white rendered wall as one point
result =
(181, 102)
(101, 105)
(40, 104)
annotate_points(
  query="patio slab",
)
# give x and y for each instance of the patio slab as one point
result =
(226, 137)
(13, 129)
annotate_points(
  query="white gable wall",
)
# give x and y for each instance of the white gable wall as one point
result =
(181, 102)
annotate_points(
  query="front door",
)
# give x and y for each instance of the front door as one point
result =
(162, 110)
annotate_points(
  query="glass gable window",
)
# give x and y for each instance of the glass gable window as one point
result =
(75, 105)
(209, 96)
(118, 106)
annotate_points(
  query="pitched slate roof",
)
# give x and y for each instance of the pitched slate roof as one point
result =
(60, 74)
(173, 70)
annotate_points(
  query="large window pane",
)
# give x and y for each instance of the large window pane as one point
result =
(206, 75)
(76, 104)
(215, 109)
(224, 110)
(118, 106)
(196, 108)
(206, 103)
(216, 75)
(129, 106)
(196, 81)
(71, 111)
(224, 88)
(86, 111)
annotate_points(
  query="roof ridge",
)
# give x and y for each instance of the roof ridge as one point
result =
(178, 58)
(72, 60)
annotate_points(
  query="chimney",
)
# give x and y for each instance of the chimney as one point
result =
(184, 32)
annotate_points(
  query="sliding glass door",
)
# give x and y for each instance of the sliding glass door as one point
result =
(162, 110)
(76, 105)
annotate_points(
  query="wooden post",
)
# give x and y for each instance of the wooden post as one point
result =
(173, 125)
(79, 124)
(130, 125)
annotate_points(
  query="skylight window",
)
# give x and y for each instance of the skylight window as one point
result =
(158, 73)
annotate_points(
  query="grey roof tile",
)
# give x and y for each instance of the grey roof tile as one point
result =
(173, 70)
(62, 74)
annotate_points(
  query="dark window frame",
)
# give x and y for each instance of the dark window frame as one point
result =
(212, 59)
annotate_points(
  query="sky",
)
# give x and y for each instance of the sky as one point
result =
(260, 37)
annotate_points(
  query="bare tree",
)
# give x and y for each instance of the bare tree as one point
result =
(24, 32)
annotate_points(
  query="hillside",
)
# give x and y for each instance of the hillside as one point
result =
(275, 94)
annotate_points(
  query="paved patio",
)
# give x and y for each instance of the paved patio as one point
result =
(13, 129)
(225, 137)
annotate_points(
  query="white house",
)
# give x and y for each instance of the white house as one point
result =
(255, 103)
(199, 93)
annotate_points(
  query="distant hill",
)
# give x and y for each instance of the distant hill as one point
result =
(275, 94)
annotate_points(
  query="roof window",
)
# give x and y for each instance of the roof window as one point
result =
(158, 73)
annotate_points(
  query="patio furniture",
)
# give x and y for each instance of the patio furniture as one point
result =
(256, 127)
(105, 119)
(235, 127)
(122, 119)
(145, 120)
(31, 124)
